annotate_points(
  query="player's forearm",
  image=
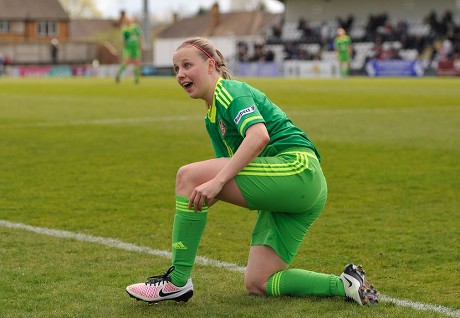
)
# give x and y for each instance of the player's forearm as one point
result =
(255, 141)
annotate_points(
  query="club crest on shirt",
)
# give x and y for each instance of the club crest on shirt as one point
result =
(223, 129)
(243, 112)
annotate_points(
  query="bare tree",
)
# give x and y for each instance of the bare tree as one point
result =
(81, 8)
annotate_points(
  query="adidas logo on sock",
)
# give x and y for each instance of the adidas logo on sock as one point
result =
(179, 246)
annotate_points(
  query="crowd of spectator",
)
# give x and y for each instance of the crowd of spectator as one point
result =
(443, 34)
(260, 52)
(442, 41)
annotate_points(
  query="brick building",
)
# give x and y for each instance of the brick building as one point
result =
(32, 20)
(28, 27)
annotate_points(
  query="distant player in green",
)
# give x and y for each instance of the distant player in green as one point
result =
(263, 162)
(342, 45)
(132, 48)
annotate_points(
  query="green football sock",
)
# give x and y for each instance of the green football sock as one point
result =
(121, 70)
(186, 235)
(137, 73)
(299, 282)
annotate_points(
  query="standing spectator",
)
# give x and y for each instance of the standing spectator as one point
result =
(432, 21)
(402, 33)
(243, 52)
(259, 52)
(277, 31)
(54, 48)
(349, 23)
(304, 26)
(324, 34)
(345, 24)
(2, 64)
(342, 45)
(447, 24)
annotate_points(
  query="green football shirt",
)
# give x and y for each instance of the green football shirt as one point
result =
(342, 44)
(131, 35)
(236, 106)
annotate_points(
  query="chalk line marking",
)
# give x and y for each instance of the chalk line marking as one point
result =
(115, 243)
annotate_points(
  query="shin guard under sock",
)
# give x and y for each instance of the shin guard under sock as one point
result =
(299, 282)
(187, 230)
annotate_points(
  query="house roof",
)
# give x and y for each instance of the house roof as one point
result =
(230, 24)
(32, 9)
(88, 29)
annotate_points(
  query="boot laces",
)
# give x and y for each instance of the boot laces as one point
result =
(159, 279)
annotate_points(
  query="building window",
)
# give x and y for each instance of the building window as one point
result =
(19, 27)
(5, 26)
(47, 28)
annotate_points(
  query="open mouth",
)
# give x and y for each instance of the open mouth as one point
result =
(187, 85)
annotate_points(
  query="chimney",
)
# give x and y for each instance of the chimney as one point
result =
(215, 16)
(121, 17)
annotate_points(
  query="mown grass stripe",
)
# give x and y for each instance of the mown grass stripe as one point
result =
(105, 121)
(326, 112)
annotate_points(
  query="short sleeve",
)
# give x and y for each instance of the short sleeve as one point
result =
(244, 113)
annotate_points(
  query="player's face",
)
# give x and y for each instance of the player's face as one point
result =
(192, 72)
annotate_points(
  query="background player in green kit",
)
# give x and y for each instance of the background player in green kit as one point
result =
(132, 48)
(342, 45)
(263, 162)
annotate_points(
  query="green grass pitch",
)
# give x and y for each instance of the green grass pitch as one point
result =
(91, 157)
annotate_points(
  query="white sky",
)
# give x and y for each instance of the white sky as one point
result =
(112, 8)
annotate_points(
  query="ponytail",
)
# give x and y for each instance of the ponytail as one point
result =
(222, 66)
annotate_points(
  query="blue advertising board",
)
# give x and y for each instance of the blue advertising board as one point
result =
(394, 68)
(269, 69)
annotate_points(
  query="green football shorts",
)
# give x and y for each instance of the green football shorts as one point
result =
(133, 52)
(289, 191)
(344, 57)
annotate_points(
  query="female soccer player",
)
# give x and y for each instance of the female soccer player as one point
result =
(342, 45)
(132, 48)
(263, 162)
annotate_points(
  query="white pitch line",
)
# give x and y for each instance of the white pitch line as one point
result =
(115, 243)
(111, 242)
(421, 306)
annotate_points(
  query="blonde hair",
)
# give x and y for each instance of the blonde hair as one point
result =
(208, 51)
